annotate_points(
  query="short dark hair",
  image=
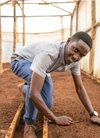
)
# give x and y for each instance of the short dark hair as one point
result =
(83, 36)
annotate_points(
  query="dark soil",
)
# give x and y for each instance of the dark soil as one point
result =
(66, 102)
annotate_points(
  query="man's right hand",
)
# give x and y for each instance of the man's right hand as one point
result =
(63, 120)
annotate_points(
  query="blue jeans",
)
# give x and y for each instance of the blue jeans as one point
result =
(22, 69)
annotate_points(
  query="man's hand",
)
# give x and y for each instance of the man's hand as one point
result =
(95, 119)
(63, 120)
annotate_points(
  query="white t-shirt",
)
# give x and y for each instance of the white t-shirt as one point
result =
(47, 57)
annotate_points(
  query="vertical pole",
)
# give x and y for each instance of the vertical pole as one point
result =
(71, 18)
(23, 23)
(93, 33)
(77, 5)
(62, 28)
(0, 42)
(14, 27)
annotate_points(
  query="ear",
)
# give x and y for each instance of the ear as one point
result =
(68, 40)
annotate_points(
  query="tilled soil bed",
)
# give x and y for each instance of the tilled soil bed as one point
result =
(66, 102)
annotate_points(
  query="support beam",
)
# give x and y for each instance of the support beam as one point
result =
(0, 44)
(75, 10)
(96, 24)
(15, 121)
(45, 128)
(14, 27)
(6, 2)
(93, 33)
(36, 16)
(62, 29)
(13, 2)
(23, 41)
(88, 29)
(71, 26)
(42, 3)
(77, 2)
(57, 7)
(77, 7)
(20, 7)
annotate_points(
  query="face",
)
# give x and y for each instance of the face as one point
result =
(75, 51)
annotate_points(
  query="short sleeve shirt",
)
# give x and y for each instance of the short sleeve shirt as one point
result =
(47, 57)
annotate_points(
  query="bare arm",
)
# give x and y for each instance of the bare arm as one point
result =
(84, 97)
(36, 87)
(82, 93)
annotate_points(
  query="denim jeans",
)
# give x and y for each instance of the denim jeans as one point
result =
(22, 69)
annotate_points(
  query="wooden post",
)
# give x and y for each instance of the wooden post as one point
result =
(0, 42)
(62, 28)
(75, 9)
(23, 23)
(14, 27)
(77, 6)
(71, 18)
(13, 2)
(15, 121)
(3, 3)
(45, 128)
(93, 33)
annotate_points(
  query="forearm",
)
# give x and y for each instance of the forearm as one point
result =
(42, 107)
(85, 100)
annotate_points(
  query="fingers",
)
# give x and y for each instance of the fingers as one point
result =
(95, 119)
(69, 118)
(68, 122)
(64, 120)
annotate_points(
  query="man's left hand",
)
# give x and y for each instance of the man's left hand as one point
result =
(95, 119)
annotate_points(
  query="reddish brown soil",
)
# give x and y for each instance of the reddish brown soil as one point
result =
(66, 102)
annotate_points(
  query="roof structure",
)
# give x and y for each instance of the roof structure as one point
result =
(41, 13)
(39, 8)
(35, 15)
(19, 18)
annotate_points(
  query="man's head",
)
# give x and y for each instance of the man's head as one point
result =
(82, 36)
(77, 47)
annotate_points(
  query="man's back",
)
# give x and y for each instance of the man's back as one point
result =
(28, 52)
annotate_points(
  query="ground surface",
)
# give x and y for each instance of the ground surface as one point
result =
(66, 102)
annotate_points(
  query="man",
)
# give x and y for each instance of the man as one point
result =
(34, 62)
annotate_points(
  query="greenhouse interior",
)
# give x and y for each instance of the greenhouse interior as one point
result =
(24, 22)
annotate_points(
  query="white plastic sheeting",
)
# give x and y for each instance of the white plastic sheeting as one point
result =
(74, 23)
(38, 27)
(84, 15)
(84, 23)
(7, 49)
(7, 44)
(96, 72)
(97, 10)
(37, 23)
(85, 65)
